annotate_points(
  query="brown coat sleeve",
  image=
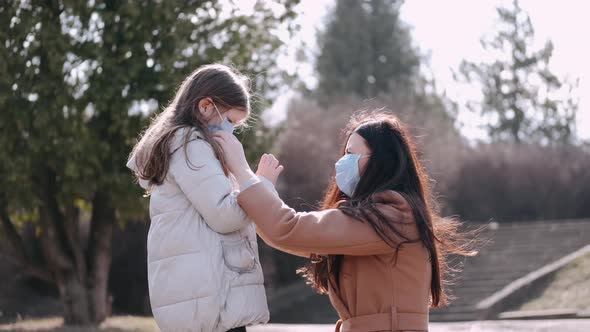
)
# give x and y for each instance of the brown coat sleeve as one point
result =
(322, 232)
(269, 241)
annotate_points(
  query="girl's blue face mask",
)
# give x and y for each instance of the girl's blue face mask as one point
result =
(225, 125)
(347, 173)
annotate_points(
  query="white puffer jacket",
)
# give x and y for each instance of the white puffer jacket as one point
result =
(204, 272)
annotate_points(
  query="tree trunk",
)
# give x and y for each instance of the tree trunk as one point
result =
(84, 305)
(83, 291)
(100, 302)
(87, 303)
(80, 272)
(99, 255)
(70, 284)
(74, 298)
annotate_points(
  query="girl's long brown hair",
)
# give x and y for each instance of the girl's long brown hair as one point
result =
(393, 165)
(226, 88)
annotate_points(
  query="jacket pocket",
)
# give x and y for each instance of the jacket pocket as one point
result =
(238, 255)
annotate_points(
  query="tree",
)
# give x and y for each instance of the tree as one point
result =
(365, 53)
(365, 50)
(79, 81)
(526, 101)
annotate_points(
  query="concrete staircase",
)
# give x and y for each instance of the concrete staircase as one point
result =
(513, 250)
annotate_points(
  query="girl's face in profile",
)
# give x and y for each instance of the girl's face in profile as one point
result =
(210, 110)
(358, 145)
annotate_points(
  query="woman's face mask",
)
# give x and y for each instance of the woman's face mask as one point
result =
(225, 125)
(347, 172)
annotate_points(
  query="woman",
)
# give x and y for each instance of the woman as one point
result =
(377, 247)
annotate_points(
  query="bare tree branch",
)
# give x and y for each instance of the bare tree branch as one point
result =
(101, 230)
(64, 229)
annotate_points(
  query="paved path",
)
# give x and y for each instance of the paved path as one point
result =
(562, 325)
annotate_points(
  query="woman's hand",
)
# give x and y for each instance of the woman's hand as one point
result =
(269, 168)
(234, 156)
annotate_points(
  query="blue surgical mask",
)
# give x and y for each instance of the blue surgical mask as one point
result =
(224, 126)
(347, 173)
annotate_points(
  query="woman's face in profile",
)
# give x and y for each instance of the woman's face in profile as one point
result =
(358, 145)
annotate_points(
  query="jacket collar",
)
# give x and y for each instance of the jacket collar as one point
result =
(179, 137)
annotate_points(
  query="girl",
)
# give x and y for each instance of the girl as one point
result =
(204, 272)
(377, 247)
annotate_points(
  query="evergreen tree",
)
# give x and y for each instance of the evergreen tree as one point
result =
(526, 101)
(365, 50)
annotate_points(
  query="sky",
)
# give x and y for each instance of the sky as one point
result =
(449, 32)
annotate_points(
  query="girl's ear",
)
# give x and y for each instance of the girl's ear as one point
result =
(205, 106)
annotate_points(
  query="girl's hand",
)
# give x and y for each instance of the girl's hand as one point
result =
(234, 156)
(269, 168)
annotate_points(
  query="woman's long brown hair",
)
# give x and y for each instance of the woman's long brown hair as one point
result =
(226, 88)
(393, 165)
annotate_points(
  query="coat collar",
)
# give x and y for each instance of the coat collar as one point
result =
(179, 137)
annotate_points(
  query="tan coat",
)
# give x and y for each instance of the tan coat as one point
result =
(373, 291)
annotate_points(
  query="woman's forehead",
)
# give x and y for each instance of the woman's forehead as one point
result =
(356, 143)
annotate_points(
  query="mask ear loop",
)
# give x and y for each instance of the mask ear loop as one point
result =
(218, 113)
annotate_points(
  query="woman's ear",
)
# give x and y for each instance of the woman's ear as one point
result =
(205, 106)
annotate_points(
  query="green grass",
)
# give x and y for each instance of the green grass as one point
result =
(570, 289)
(113, 324)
